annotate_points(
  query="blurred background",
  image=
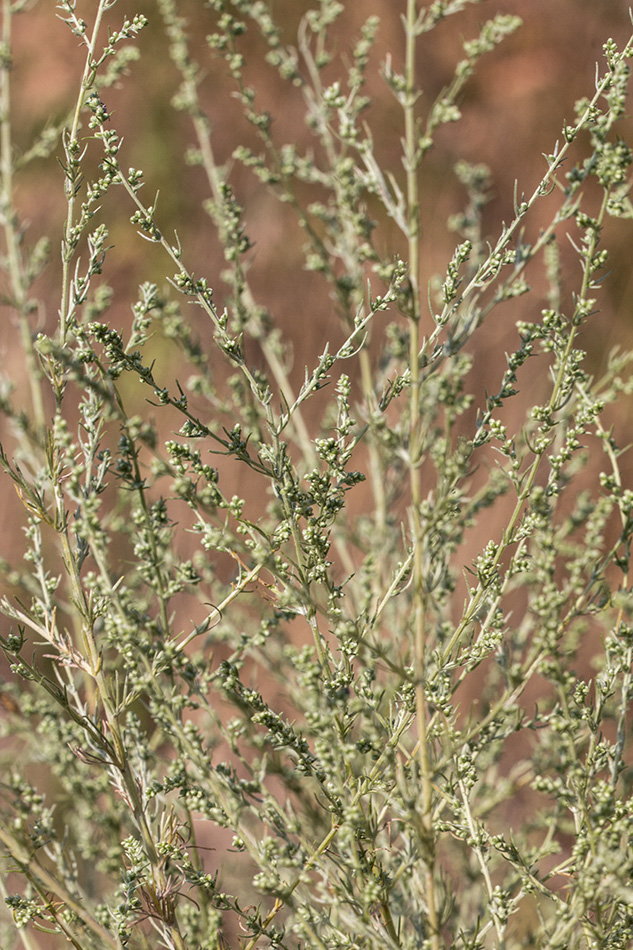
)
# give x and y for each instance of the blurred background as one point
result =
(513, 110)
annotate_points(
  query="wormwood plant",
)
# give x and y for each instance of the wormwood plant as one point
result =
(266, 721)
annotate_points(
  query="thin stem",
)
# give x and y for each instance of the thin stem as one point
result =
(483, 864)
(411, 159)
(74, 154)
(8, 217)
(25, 936)
(44, 880)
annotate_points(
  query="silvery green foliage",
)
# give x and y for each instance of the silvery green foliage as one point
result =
(240, 722)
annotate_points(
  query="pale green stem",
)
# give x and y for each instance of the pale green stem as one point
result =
(73, 155)
(52, 885)
(415, 449)
(9, 220)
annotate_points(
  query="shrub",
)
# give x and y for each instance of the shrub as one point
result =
(331, 660)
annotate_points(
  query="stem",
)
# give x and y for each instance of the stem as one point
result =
(24, 935)
(483, 865)
(412, 160)
(73, 176)
(8, 217)
(44, 880)
(121, 763)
